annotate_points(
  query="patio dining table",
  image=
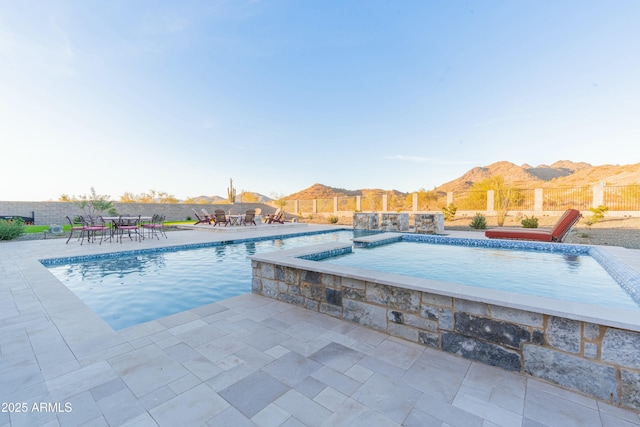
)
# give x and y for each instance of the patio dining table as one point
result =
(114, 221)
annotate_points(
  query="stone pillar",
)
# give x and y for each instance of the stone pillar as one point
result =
(490, 201)
(538, 197)
(296, 206)
(414, 202)
(385, 203)
(335, 205)
(314, 206)
(365, 221)
(359, 203)
(449, 198)
(598, 195)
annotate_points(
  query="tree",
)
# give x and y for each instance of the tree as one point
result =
(504, 195)
(94, 204)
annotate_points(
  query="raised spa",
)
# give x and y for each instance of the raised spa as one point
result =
(585, 346)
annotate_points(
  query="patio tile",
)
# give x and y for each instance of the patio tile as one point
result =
(337, 356)
(202, 368)
(303, 408)
(230, 417)
(142, 420)
(310, 387)
(393, 400)
(193, 407)
(548, 409)
(220, 348)
(146, 369)
(120, 407)
(292, 368)
(330, 398)
(271, 416)
(354, 414)
(253, 393)
(83, 379)
(265, 339)
(337, 380)
(402, 355)
(436, 382)
(447, 413)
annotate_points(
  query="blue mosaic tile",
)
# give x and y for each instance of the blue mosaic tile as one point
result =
(327, 254)
(628, 278)
(521, 245)
(83, 258)
(373, 244)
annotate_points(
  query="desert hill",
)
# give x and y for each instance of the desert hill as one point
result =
(563, 173)
(320, 191)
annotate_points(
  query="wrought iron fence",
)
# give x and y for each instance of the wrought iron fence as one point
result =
(347, 203)
(622, 197)
(559, 199)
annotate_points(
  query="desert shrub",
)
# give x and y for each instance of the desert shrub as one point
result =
(479, 222)
(449, 212)
(11, 229)
(529, 222)
(332, 219)
(597, 214)
(188, 218)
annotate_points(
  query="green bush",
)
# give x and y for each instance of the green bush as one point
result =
(598, 214)
(449, 212)
(529, 222)
(479, 222)
(11, 229)
(332, 219)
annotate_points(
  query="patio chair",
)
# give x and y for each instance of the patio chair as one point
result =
(207, 215)
(156, 226)
(94, 227)
(278, 217)
(201, 220)
(220, 218)
(249, 217)
(128, 224)
(76, 226)
(556, 234)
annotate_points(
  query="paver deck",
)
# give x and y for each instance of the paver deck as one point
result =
(244, 361)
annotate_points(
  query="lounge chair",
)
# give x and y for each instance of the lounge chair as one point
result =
(556, 234)
(221, 218)
(276, 217)
(249, 217)
(200, 220)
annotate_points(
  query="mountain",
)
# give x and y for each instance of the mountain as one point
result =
(563, 173)
(320, 191)
(261, 198)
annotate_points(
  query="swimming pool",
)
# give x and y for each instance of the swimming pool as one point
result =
(137, 286)
(571, 275)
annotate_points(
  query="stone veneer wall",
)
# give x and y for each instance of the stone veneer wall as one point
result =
(394, 221)
(597, 360)
(365, 221)
(429, 223)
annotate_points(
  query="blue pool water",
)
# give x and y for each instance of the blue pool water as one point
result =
(129, 289)
(566, 276)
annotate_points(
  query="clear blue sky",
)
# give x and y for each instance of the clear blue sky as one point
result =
(179, 96)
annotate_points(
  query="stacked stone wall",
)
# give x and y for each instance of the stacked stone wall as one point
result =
(597, 360)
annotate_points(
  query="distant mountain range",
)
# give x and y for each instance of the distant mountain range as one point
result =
(261, 198)
(563, 173)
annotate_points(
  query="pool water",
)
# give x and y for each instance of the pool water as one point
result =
(131, 289)
(571, 277)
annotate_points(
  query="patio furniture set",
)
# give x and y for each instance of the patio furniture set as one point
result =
(115, 227)
(220, 217)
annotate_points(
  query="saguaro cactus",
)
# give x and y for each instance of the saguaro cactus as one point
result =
(231, 192)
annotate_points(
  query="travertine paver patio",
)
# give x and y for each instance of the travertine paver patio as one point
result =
(244, 361)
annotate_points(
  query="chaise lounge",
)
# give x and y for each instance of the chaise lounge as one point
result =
(556, 234)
